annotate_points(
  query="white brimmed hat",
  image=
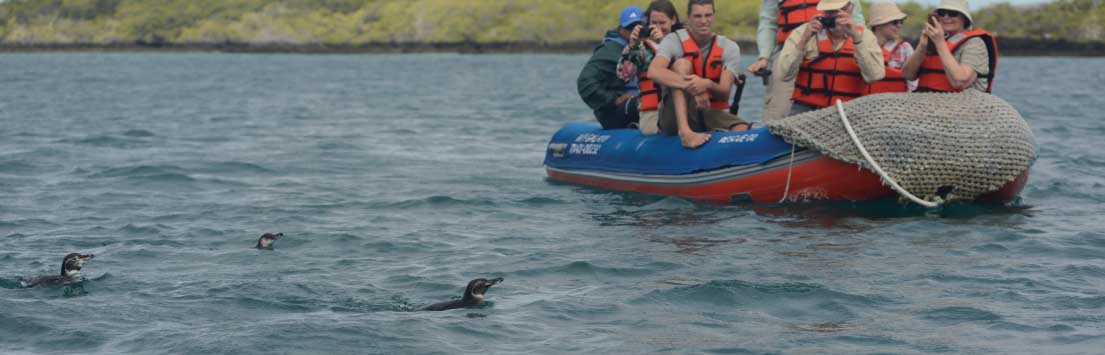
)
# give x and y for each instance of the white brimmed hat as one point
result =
(828, 5)
(885, 12)
(959, 6)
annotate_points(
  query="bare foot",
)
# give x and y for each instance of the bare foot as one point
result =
(692, 140)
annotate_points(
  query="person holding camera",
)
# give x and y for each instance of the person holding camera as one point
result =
(829, 58)
(613, 99)
(697, 69)
(778, 18)
(952, 57)
(662, 20)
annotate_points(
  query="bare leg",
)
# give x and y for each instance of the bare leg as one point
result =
(688, 137)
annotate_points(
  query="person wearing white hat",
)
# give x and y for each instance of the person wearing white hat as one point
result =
(955, 56)
(886, 24)
(778, 18)
(829, 58)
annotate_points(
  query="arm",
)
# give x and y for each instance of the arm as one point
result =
(869, 57)
(913, 64)
(974, 61)
(768, 28)
(732, 60)
(959, 75)
(794, 50)
(660, 68)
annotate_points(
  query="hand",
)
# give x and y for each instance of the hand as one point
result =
(657, 35)
(622, 99)
(934, 31)
(635, 36)
(845, 23)
(813, 27)
(757, 65)
(696, 85)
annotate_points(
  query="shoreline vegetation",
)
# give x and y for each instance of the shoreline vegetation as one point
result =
(1062, 27)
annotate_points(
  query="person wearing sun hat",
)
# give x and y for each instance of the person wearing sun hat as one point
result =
(613, 100)
(829, 58)
(952, 56)
(886, 24)
(777, 19)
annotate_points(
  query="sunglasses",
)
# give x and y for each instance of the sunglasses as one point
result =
(896, 22)
(944, 12)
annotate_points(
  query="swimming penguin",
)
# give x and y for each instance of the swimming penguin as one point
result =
(473, 296)
(70, 272)
(266, 240)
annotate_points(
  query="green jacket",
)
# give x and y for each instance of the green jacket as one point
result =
(598, 83)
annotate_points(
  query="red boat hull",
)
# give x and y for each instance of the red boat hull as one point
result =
(821, 178)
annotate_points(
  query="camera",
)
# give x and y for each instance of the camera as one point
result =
(646, 32)
(827, 22)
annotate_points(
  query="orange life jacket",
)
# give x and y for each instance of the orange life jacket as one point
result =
(650, 92)
(709, 69)
(931, 77)
(832, 75)
(894, 81)
(794, 13)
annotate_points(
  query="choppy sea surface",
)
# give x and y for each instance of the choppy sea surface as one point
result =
(398, 178)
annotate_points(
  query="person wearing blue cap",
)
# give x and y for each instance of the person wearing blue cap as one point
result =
(613, 100)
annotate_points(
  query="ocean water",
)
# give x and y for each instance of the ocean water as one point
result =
(398, 178)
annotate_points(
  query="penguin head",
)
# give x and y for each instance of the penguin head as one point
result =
(478, 287)
(71, 265)
(266, 240)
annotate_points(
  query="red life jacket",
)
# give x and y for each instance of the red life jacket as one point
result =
(832, 75)
(650, 92)
(931, 77)
(794, 13)
(894, 81)
(709, 69)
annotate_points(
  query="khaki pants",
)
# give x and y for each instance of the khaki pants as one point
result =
(649, 122)
(700, 121)
(777, 97)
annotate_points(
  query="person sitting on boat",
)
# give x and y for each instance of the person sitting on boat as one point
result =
(777, 19)
(957, 57)
(829, 58)
(697, 70)
(613, 100)
(886, 24)
(661, 19)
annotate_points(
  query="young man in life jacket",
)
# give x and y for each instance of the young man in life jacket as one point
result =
(830, 58)
(778, 18)
(950, 56)
(613, 100)
(697, 70)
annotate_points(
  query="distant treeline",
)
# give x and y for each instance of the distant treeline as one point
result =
(365, 24)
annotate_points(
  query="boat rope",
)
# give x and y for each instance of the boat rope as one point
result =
(789, 170)
(893, 184)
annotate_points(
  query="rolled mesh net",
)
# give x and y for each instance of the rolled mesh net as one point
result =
(955, 145)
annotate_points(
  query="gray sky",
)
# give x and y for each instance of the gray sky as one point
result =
(980, 3)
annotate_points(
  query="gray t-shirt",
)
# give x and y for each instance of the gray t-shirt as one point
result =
(672, 47)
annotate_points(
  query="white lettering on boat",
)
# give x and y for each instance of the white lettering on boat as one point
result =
(592, 138)
(740, 138)
(584, 149)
